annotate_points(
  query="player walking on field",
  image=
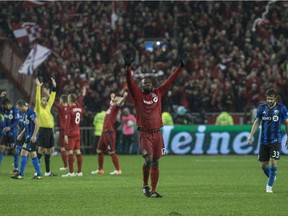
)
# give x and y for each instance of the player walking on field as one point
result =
(271, 115)
(30, 134)
(149, 121)
(72, 135)
(108, 136)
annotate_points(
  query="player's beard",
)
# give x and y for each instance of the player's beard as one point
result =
(147, 90)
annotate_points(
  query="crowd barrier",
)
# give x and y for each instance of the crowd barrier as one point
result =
(193, 140)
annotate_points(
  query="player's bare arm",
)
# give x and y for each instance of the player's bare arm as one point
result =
(121, 101)
(38, 83)
(253, 130)
(53, 82)
(84, 91)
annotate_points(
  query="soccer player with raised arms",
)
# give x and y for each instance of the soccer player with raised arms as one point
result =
(271, 115)
(108, 136)
(46, 136)
(149, 121)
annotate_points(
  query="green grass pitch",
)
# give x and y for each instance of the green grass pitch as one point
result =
(190, 185)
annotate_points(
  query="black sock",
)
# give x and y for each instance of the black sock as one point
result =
(47, 162)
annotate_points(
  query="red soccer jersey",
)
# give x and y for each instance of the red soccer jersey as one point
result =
(74, 114)
(110, 118)
(62, 114)
(148, 106)
(62, 111)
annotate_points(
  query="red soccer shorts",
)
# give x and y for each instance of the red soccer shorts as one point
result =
(73, 143)
(107, 141)
(151, 143)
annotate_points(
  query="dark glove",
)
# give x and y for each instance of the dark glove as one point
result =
(184, 60)
(128, 60)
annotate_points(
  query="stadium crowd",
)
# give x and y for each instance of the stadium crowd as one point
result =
(230, 65)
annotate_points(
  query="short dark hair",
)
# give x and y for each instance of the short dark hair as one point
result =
(5, 101)
(73, 97)
(271, 93)
(22, 103)
(64, 98)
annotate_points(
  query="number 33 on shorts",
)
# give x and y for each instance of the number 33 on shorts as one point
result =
(275, 154)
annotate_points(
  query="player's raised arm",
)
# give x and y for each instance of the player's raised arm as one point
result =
(132, 86)
(121, 101)
(183, 62)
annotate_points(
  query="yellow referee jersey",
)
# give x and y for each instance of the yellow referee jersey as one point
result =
(44, 114)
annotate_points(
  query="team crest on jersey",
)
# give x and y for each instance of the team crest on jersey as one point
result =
(276, 112)
(155, 98)
(108, 111)
(26, 121)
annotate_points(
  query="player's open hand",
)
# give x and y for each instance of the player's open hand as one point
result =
(3, 94)
(128, 59)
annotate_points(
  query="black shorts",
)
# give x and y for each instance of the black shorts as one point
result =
(20, 142)
(269, 151)
(46, 138)
(8, 141)
(30, 146)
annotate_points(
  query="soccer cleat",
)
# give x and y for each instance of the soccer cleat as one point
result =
(63, 168)
(69, 175)
(17, 176)
(37, 177)
(14, 172)
(50, 174)
(269, 189)
(116, 172)
(79, 174)
(155, 195)
(146, 191)
(98, 172)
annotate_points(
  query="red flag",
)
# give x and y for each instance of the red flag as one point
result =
(26, 32)
(34, 3)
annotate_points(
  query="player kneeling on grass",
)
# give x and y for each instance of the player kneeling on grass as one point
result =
(271, 115)
(30, 131)
(108, 136)
(72, 135)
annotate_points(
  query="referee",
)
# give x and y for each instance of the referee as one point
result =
(46, 137)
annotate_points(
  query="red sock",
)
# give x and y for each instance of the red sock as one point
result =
(79, 162)
(154, 178)
(71, 162)
(100, 161)
(115, 161)
(146, 172)
(64, 157)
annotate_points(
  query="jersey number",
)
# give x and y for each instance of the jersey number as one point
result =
(275, 154)
(77, 119)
